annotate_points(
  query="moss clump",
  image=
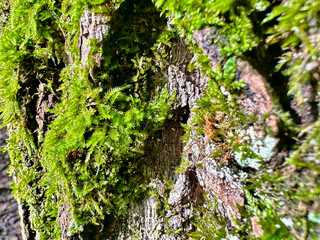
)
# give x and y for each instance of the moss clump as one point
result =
(81, 155)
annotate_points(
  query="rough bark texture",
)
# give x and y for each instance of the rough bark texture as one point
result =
(9, 217)
(168, 213)
(93, 26)
(150, 219)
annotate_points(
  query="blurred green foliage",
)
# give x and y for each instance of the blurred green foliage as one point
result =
(264, 32)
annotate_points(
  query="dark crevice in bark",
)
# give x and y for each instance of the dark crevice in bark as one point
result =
(196, 190)
(30, 95)
(134, 29)
(314, 105)
(181, 114)
(29, 233)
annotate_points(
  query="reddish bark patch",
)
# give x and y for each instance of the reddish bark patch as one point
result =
(256, 99)
(260, 99)
(221, 188)
(256, 227)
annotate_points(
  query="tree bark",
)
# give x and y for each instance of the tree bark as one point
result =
(172, 209)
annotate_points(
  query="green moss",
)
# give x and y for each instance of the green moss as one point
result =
(259, 31)
(85, 160)
(208, 222)
(86, 157)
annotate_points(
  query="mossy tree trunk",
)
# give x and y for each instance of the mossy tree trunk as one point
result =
(132, 125)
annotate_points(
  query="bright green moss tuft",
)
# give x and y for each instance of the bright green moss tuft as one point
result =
(85, 161)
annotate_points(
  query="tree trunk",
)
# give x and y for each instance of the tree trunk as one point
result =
(212, 182)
